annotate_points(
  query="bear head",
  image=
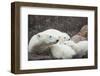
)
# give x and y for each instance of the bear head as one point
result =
(47, 39)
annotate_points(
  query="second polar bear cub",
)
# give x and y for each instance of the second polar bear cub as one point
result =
(62, 51)
(81, 48)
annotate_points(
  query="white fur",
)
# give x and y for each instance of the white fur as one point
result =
(44, 40)
(41, 41)
(60, 50)
(81, 48)
(57, 33)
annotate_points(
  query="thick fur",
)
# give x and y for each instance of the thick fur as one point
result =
(81, 48)
(41, 41)
(62, 51)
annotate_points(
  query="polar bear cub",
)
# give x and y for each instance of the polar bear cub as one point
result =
(62, 51)
(81, 48)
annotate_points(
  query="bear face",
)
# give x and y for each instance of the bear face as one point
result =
(47, 39)
(65, 37)
(40, 42)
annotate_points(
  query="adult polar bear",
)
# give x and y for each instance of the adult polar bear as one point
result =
(43, 40)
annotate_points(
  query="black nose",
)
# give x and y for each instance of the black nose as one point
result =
(57, 40)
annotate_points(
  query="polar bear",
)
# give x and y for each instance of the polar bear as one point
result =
(62, 51)
(81, 48)
(43, 40)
